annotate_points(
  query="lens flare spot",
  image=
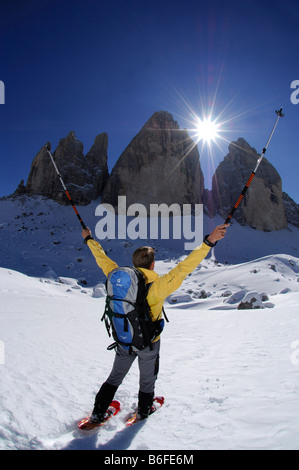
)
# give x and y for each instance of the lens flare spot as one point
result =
(206, 130)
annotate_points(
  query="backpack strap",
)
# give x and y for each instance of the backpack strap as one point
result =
(143, 300)
(148, 286)
(164, 314)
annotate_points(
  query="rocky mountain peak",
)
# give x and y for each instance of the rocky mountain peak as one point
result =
(160, 165)
(85, 177)
(263, 206)
(161, 120)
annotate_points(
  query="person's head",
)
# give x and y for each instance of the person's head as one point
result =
(144, 257)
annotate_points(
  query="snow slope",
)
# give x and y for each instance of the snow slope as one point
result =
(42, 238)
(230, 377)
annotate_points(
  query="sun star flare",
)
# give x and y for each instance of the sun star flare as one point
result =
(206, 130)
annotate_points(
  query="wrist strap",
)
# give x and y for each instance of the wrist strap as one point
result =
(207, 242)
(89, 237)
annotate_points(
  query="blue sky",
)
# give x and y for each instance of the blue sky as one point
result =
(107, 66)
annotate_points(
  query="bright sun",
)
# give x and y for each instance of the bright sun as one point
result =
(206, 130)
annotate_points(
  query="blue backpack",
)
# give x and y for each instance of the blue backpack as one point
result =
(127, 313)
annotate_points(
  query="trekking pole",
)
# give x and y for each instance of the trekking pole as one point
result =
(48, 149)
(229, 217)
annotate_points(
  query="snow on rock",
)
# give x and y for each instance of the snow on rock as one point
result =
(99, 291)
(69, 281)
(251, 300)
(179, 297)
(236, 297)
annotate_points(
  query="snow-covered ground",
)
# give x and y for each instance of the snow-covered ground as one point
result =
(230, 376)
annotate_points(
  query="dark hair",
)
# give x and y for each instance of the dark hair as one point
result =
(143, 257)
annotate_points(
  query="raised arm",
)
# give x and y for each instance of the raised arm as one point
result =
(102, 260)
(169, 282)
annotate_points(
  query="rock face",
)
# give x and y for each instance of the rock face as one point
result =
(160, 165)
(291, 210)
(262, 207)
(20, 189)
(97, 167)
(84, 177)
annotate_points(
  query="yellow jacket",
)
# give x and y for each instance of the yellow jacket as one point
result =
(162, 286)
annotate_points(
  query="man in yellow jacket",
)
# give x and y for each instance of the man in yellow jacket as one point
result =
(161, 287)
